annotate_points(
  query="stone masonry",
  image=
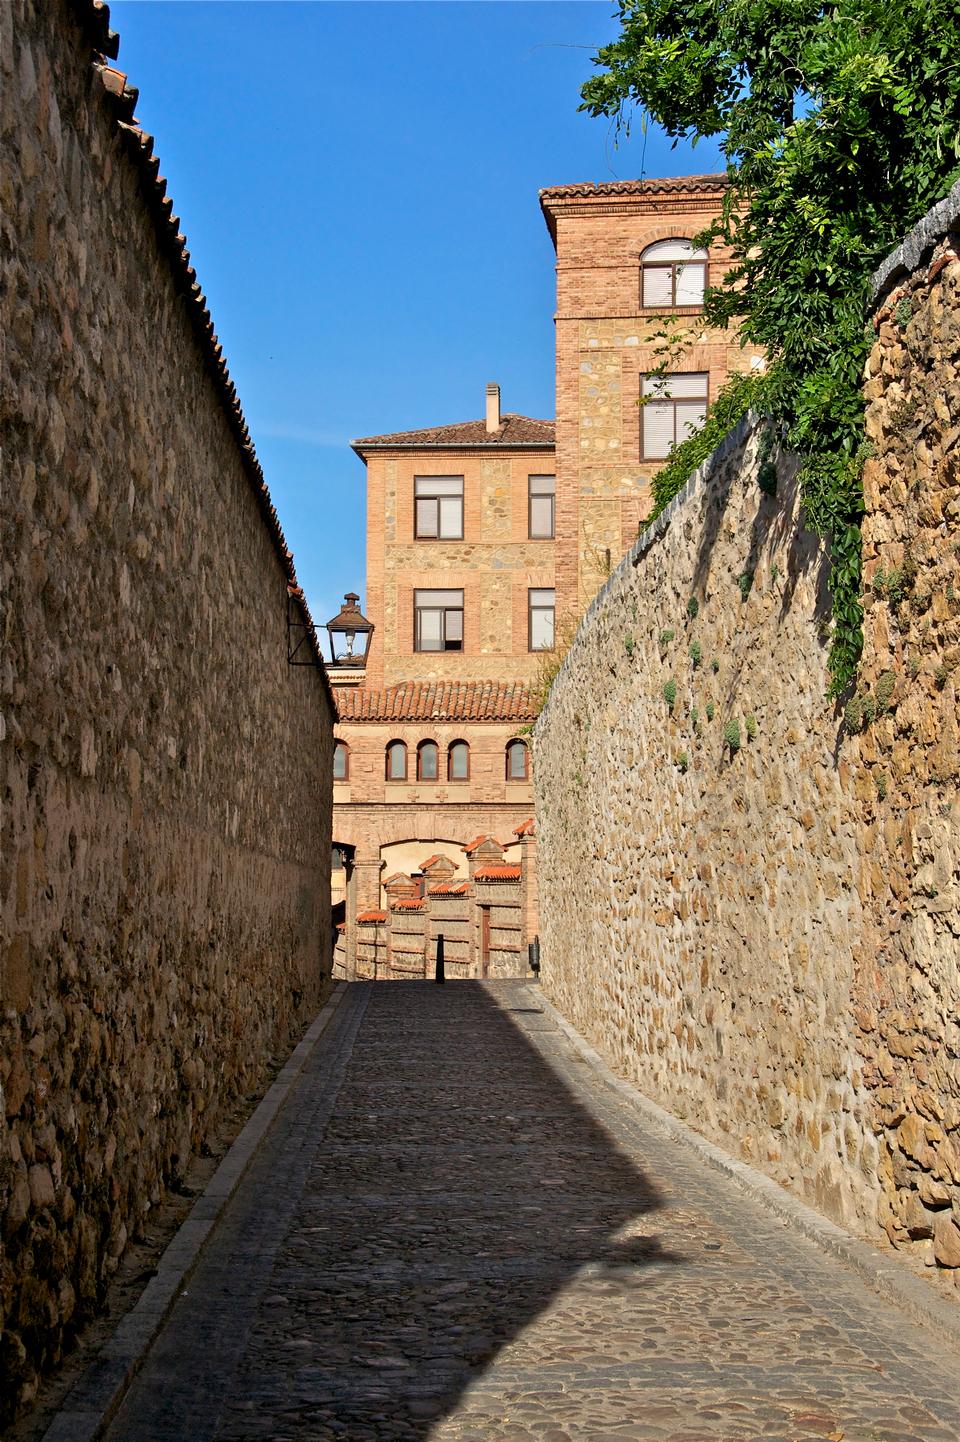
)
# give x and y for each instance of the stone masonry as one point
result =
(750, 898)
(166, 797)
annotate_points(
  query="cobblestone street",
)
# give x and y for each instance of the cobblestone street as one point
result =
(457, 1229)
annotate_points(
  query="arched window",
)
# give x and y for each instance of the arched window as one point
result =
(672, 274)
(458, 761)
(396, 761)
(427, 761)
(518, 761)
(341, 761)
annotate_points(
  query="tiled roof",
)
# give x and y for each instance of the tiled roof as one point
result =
(397, 876)
(501, 872)
(439, 701)
(527, 829)
(372, 916)
(513, 430)
(121, 100)
(471, 846)
(407, 903)
(682, 184)
(450, 888)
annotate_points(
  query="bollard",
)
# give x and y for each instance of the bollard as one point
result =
(533, 956)
(439, 978)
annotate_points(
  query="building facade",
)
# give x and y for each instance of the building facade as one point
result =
(481, 537)
(630, 285)
(431, 750)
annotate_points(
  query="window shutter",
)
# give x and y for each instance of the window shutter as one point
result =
(657, 285)
(657, 430)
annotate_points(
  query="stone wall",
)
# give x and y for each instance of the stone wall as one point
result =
(166, 799)
(749, 898)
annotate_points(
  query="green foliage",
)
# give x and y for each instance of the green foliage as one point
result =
(731, 735)
(885, 688)
(853, 714)
(683, 761)
(745, 582)
(740, 394)
(714, 665)
(665, 638)
(693, 608)
(840, 126)
(914, 667)
(868, 710)
(880, 781)
(696, 654)
(940, 676)
(750, 723)
(670, 692)
(904, 313)
(709, 710)
(629, 644)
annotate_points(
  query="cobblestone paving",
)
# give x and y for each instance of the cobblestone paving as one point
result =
(457, 1230)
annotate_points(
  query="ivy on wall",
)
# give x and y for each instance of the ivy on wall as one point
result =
(840, 126)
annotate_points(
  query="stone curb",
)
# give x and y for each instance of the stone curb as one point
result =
(92, 1403)
(882, 1271)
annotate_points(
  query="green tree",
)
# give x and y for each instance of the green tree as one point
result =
(840, 126)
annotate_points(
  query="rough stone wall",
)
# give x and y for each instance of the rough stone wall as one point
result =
(750, 899)
(166, 802)
(907, 980)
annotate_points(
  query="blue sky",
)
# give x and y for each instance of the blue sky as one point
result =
(358, 187)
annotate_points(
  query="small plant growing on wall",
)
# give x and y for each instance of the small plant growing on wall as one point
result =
(869, 709)
(683, 761)
(914, 667)
(750, 725)
(628, 645)
(885, 689)
(853, 714)
(940, 676)
(670, 692)
(745, 582)
(731, 735)
(693, 608)
(880, 781)
(709, 710)
(696, 653)
(665, 638)
(714, 665)
(904, 312)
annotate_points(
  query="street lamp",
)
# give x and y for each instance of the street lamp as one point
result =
(350, 634)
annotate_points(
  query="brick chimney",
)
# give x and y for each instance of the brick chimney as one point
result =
(493, 406)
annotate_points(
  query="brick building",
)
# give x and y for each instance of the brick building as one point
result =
(479, 535)
(460, 589)
(626, 270)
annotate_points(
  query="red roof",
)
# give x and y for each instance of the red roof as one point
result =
(684, 184)
(513, 430)
(407, 903)
(501, 872)
(450, 888)
(438, 701)
(372, 916)
(526, 829)
(471, 846)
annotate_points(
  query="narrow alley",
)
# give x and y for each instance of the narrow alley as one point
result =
(457, 1229)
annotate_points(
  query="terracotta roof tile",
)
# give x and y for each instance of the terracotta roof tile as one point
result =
(371, 916)
(121, 99)
(471, 846)
(513, 430)
(407, 903)
(450, 888)
(682, 184)
(502, 872)
(527, 829)
(439, 701)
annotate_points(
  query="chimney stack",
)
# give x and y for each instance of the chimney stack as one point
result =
(493, 406)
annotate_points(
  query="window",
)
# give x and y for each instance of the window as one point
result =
(541, 607)
(540, 507)
(517, 761)
(677, 406)
(438, 508)
(672, 274)
(341, 761)
(396, 761)
(438, 620)
(458, 761)
(427, 761)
